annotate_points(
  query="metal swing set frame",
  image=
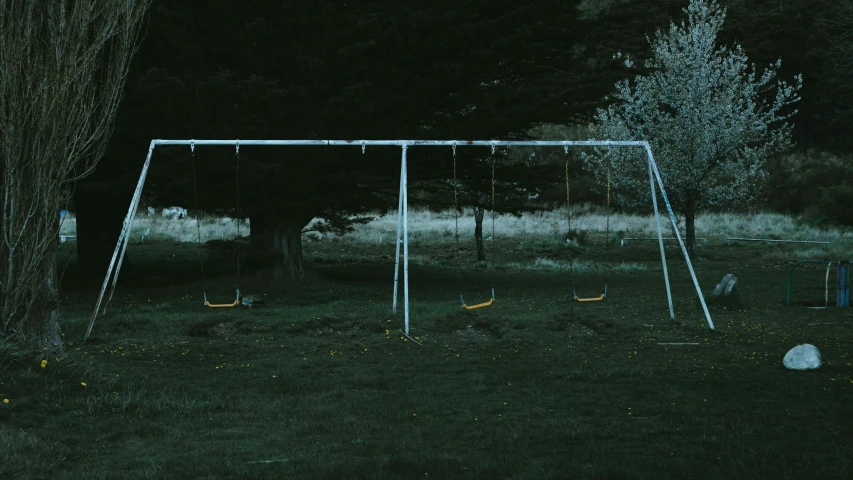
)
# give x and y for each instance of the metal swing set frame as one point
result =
(114, 267)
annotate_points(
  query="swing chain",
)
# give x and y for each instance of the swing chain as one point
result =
(568, 235)
(198, 225)
(494, 262)
(239, 214)
(456, 222)
(607, 245)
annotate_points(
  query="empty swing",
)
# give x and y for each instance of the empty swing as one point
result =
(236, 301)
(491, 300)
(601, 297)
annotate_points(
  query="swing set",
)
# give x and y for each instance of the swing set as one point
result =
(114, 267)
(237, 299)
(601, 297)
(491, 300)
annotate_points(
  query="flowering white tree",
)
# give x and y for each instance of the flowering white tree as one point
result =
(711, 122)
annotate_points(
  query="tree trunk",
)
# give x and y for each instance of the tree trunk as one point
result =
(100, 212)
(690, 225)
(478, 233)
(287, 244)
(257, 238)
(42, 325)
(280, 233)
(45, 314)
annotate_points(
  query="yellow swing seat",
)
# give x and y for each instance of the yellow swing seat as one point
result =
(594, 299)
(479, 305)
(233, 304)
(221, 305)
(591, 299)
(489, 303)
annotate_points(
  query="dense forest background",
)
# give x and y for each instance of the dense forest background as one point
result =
(386, 69)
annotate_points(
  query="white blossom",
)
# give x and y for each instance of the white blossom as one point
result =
(710, 120)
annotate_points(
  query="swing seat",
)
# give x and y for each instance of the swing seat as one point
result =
(221, 305)
(233, 304)
(599, 298)
(593, 299)
(479, 305)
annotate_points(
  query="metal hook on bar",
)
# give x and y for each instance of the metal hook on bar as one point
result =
(238, 146)
(192, 146)
(363, 147)
(566, 149)
(454, 148)
(493, 147)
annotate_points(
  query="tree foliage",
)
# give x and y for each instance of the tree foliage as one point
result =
(378, 69)
(838, 70)
(711, 120)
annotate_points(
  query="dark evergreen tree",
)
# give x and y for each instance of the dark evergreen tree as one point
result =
(383, 69)
(310, 69)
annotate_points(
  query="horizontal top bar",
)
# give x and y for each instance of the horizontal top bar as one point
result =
(400, 143)
(771, 240)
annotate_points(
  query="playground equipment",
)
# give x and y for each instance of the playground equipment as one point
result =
(491, 300)
(842, 288)
(402, 216)
(601, 297)
(236, 301)
(772, 240)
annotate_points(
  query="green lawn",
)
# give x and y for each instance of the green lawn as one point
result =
(319, 382)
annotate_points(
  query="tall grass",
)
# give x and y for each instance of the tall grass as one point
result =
(427, 224)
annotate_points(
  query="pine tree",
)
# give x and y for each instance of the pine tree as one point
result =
(305, 69)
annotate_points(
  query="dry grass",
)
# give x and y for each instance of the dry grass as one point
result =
(155, 227)
(424, 224)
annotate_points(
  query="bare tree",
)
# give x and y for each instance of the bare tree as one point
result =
(63, 65)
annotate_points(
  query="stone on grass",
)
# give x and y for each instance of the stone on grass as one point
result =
(726, 285)
(802, 357)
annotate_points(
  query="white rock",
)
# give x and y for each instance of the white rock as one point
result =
(726, 286)
(802, 357)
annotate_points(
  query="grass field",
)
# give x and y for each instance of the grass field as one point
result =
(319, 382)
